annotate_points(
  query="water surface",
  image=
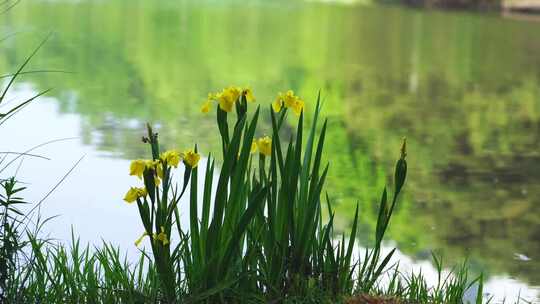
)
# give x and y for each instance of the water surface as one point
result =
(463, 88)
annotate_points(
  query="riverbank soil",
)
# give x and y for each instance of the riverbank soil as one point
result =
(365, 299)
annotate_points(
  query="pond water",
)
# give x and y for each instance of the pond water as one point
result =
(463, 88)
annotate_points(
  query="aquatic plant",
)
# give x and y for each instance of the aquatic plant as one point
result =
(265, 237)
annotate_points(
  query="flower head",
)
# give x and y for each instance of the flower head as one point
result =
(162, 237)
(171, 158)
(207, 105)
(289, 99)
(205, 108)
(234, 92)
(191, 158)
(225, 101)
(134, 193)
(298, 106)
(155, 166)
(137, 167)
(265, 145)
(228, 97)
(248, 94)
(278, 103)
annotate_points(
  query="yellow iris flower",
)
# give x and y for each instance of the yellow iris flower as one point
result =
(249, 94)
(134, 193)
(205, 108)
(191, 158)
(226, 101)
(298, 107)
(171, 157)
(265, 145)
(162, 237)
(234, 92)
(278, 103)
(157, 167)
(139, 240)
(152, 164)
(288, 100)
(227, 98)
(137, 167)
(207, 105)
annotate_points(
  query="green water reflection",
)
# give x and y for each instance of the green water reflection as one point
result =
(463, 88)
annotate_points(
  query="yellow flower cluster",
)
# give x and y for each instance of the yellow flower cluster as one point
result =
(227, 98)
(169, 158)
(289, 100)
(263, 144)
